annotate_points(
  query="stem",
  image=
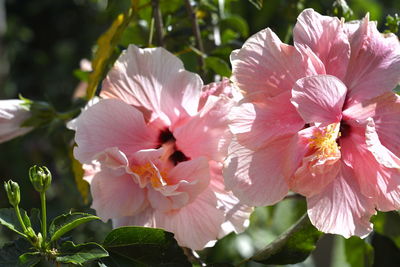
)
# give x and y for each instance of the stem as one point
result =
(20, 219)
(197, 36)
(193, 256)
(44, 216)
(158, 22)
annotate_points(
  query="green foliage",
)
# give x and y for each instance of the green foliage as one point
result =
(292, 246)
(387, 223)
(66, 222)
(80, 254)
(219, 66)
(359, 253)
(30, 258)
(142, 246)
(392, 23)
(9, 219)
(106, 48)
(10, 252)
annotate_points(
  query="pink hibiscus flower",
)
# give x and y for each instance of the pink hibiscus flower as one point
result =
(319, 118)
(155, 154)
(12, 115)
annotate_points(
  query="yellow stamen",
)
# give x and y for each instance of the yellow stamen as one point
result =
(150, 173)
(324, 141)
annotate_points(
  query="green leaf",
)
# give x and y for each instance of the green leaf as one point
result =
(219, 66)
(358, 252)
(236, 23)
(81, 253)
(9, 219)
(10, 252)
(30, 258)
(257, 3)
(105, 50)
(145, 246)
(66, 222)
(387, 223)
(293, 246)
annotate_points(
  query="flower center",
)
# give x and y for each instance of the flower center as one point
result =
(324, 141)
(148, 173)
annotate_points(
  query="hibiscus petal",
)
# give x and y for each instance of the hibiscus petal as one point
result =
(376, 168)
(259, 178)
(195, 224)
(206, 134)
(144, 218)
(341, 208)
(236, 214)
(155, 79)
(265, 66)
(115, 195)
(112, 123)
(374, 66)
(325, 36)
(385, 111)
(319, 98)
(256, 124)
(12, 115)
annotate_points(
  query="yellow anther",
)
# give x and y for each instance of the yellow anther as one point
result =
(150, 173)
(324, 141)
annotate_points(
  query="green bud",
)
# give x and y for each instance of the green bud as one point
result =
(31, 234)
(40, 178)
(13, 193)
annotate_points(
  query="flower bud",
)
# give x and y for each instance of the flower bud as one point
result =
(40, 178)
(13, 193)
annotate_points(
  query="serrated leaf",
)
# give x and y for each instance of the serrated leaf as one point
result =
(293, 246)
(10, 252)
(106, 43)
(145, 246)
(9, 219)
(219, 66)
(66, 222)
(358, 252)
(29, 259)
(81, 253)
(257, 3)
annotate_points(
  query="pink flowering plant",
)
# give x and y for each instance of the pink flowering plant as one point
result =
(178, 159)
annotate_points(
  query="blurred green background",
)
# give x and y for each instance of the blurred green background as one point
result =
(41, 45)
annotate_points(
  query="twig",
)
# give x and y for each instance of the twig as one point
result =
(158, 22)
(193, 256)
(197, 36)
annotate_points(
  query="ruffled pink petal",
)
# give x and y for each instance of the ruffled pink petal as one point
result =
(325, 36)
(259, 178)
(154, 79)
(315, 172)
(376, 168)
(236, 214)
(112, 123)
(256, 124)
(374, 66)
(341, 208)
(195, 224)
(385, 111)
(115, 195)
(12, 115)
(206, 134)
(193, 176)
(144, 218)
(265, 66)
(319, 98)
(222, 88)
